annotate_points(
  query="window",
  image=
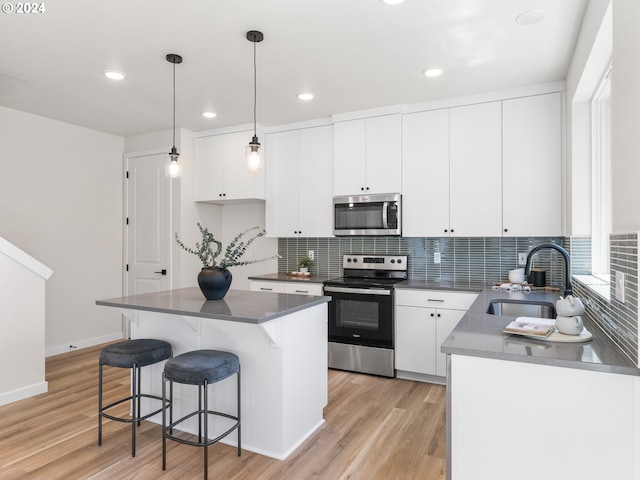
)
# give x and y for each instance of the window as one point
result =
(601, 177)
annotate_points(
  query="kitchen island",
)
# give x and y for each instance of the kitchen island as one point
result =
(527, 408)
(281, 340)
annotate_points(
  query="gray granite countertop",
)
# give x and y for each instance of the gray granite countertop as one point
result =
(237, 306)
(479, 334)
(283, 277)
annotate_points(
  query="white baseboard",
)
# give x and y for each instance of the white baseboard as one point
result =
(24, 392)
(421, 377)
(89, 342)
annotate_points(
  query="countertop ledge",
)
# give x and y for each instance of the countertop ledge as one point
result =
(459, 286)
(283, 277)
(237, 306)
(479, 334)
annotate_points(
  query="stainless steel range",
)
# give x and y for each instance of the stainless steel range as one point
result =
(361, 313)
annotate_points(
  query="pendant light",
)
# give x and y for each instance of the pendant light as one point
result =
(254, 151)
(174, 169)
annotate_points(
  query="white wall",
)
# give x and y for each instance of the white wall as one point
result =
(61, 202)
(625, 95)
(590, 58)
(22, 316)
(238, 218)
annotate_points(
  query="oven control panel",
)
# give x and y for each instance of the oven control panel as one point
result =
(374, 262)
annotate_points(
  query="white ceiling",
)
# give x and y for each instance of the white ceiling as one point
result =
(353, 54)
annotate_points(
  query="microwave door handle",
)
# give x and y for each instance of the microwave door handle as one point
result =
(385, 220)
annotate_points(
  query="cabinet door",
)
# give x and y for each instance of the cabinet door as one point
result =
(532, 165)
(281, 216)
(383, 149)
(415, 339)
(316, 182)
(301, 288)
(349, 157)
(476, 170)
(446, 322)
(425, 174)
(209, 168)
(239, 181)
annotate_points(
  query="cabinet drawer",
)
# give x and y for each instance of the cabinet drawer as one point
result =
(303, 288)
(273, 287)
(435, 299)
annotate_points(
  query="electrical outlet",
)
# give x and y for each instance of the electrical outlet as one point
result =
(522, 259)
(436, 257)
(312, 254)
(620, 286)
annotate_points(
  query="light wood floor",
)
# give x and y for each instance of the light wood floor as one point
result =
(376, 429)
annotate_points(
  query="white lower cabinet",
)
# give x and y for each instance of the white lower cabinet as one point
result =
(424, 319)
(515, 420)
(296, 288)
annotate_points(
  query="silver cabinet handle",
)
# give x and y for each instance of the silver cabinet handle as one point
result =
(267, 289)
(435, 300)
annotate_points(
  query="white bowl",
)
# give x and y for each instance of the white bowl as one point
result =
(517, 275)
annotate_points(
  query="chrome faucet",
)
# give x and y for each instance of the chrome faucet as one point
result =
(568, 288)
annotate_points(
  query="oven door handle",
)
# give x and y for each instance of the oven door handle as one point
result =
(362, 291)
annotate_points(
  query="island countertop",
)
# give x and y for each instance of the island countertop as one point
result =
(237, 306)
(479, 334)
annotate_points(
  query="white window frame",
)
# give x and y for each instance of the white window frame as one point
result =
(601, 204)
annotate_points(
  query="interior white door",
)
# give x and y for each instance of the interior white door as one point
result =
(148, 233)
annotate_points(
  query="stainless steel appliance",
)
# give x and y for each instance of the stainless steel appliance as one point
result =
(361, 313)
(367, 215)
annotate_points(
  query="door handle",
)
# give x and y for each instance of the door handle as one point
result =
(163, 271)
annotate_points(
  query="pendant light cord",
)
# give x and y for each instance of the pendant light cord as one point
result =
(255, 88)
(174, 105)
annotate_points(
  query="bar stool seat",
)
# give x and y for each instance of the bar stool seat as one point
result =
(202, 368)
(133, 354)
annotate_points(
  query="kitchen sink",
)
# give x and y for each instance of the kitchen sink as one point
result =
(522, 308)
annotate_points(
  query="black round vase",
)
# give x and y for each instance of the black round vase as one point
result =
(214, 282)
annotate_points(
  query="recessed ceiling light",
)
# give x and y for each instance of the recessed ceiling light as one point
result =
(392, 2)
(305, 96)
(208, 115)
(114, 74)
(530, 17)
(433, 72)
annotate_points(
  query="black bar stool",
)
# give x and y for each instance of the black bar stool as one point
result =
(133, 354)
(199, 367)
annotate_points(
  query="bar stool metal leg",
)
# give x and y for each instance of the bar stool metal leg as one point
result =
(239, 423)
(206, 430)
(135, 405)
(99, 405)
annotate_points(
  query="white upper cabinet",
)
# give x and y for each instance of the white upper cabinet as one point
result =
(368, 155)
(221, 172)
(476, 170)
(300, 183)
(532, 165)
(425, 174)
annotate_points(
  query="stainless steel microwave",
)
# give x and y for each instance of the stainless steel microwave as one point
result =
(367, 215)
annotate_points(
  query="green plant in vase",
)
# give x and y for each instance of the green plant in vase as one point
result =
(304, 263)
(215, 278)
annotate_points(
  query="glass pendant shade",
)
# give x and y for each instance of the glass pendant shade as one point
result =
(254, 155)
(174, 169)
